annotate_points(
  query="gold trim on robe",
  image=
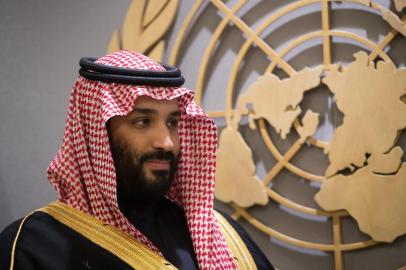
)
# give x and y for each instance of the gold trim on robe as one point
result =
(125, 247)
(122, 245)
(235, 243)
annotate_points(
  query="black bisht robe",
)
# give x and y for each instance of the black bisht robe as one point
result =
(46, 243)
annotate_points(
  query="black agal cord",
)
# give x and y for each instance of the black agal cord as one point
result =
(91, 70)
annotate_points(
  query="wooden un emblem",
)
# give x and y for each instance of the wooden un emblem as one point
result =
(365, 176)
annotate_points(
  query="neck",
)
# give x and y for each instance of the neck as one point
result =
(127, 207)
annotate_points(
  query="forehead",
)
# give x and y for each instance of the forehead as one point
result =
(160, 105)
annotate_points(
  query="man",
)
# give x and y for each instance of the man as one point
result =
(135, 178)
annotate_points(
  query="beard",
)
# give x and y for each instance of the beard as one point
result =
(135, 187)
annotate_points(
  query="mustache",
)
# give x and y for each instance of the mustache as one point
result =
(160, 155)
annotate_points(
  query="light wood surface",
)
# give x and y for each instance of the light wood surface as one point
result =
(232, 114)
(375, 199)
(144, 26)
(236, 180)
(400, 4)
(394, 21)
(357, 99)
(277, 102)
(374, 192)
(338, 247)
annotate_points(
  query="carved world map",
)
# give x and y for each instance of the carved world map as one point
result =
(365, 176)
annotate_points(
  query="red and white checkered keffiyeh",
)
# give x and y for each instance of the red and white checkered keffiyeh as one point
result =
(83, 171)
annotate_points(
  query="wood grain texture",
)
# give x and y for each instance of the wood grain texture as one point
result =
(144, 27)
(373, 189)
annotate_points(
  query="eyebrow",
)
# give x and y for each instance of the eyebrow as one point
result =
(152, 111)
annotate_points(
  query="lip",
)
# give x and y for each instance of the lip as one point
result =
(158, 164)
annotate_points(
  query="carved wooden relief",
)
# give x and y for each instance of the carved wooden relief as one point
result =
(374, 114)
(365, 178)
(144, 26)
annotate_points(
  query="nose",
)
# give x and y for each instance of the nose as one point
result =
(162, 139)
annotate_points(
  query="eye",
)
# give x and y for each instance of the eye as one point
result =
(173, 123)
(141, 122)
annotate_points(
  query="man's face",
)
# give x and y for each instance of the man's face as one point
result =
(145, 148)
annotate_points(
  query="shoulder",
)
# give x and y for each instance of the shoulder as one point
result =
(259, 257)
(18, 231)
(7, 237)
(43, 242)
(8, 234)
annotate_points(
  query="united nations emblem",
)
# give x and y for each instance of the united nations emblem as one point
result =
(365, 176)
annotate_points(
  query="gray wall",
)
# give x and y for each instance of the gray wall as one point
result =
(40, 44)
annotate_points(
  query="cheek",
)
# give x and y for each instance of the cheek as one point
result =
(136, 144)
(130, 150)
(176, 142)
(134, 157)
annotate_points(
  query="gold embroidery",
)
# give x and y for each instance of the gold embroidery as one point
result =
(235, 243)
(15, 241)
(122, 245)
